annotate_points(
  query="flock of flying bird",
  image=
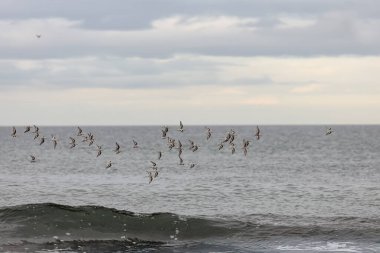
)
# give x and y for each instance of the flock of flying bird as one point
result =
(171, 143)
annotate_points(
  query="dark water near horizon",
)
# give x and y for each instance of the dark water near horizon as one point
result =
(297, 190)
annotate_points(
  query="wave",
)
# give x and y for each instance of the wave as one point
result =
(52, 223)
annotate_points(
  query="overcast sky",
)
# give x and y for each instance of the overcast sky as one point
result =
(125, 62)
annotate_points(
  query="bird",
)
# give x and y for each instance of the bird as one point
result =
(180, 127)
(72, 142)
(232, 148)
(42, 140)
(163, 136)
(155, 172)
(38, 36)
(14, 131)
(99, 150)
(27, 129)
(135, 145)
(36, 129)
(150, 176)
(117, 149)
(79, 131)
(164, 131)
(329, 131)
(191, 144)
(208, 134)
(32, 158)
(37, 134)
(159, 155)
(54, 140)
(109, 164)
(257, 134)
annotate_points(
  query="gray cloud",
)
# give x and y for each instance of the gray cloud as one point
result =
(137, 14)
(338, 32)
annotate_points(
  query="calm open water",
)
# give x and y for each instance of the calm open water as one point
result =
(297, 190)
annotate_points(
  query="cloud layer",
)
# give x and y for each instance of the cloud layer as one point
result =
(283, 61)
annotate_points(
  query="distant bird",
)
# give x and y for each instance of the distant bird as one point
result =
(163, 135)
(159, 155)
(79, 131)
(14, 131)
(38, 36)
(246, 143)
(153, 164)
(164, 131)
(171, 143)
(117, 149)
(72, 142)
(232, 138)
(257, 134)
(32, 158)
(208, 134)
(90, 138)
(135, 145)
(109, 164)
(27, 129)
(54, 140)
(329, 131)
(99, 150)
(36, 129)
(36, 135)
(150, 176)
(42, 140)
(245, 146)
(232, 148)
(191, 144)
(155, 172)
(180, 127)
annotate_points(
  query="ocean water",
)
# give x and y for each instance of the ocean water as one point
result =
(296, 190)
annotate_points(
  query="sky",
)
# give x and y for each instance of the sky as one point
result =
(204, 62)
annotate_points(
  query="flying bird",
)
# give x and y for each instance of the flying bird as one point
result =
(180, 127)
(32, 158)
(135, 145)
(42, 140)
(54, 140)
(79, 131)
(72, 142)
(208, 134)
(38, 36)
(257, 134)
(109, 164)
(99, 150)
(13, 132)
(117, 149)
(329, 131)
(27, 129)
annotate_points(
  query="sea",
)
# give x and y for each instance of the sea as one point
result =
(295, 190)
